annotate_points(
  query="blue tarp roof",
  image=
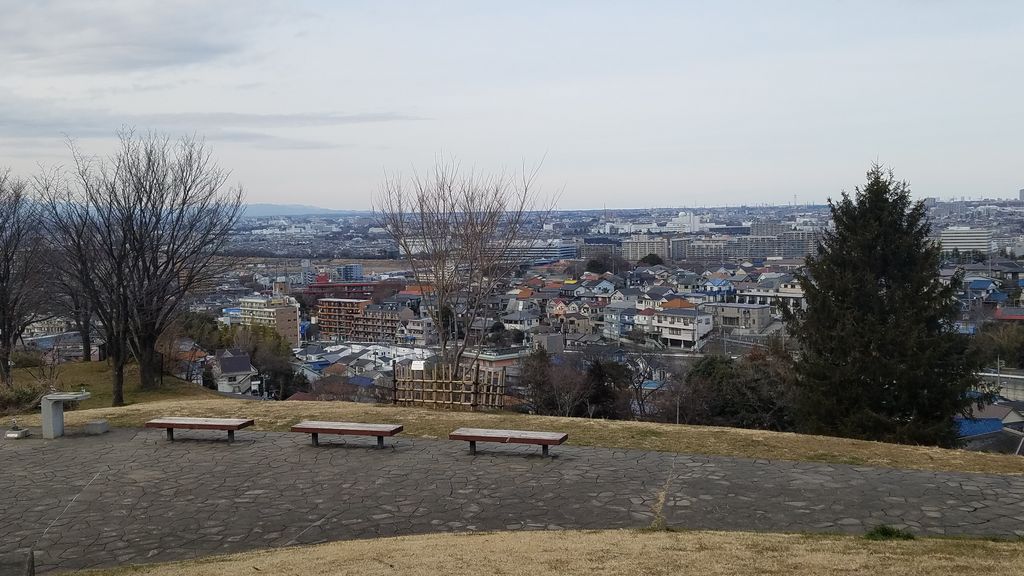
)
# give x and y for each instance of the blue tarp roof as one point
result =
(652, 385)
(997, 297)
(361, 381)
(977, 426)
(979, 284)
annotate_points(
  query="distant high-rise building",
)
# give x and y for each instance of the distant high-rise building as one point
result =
(1022, 194)
(641, 245)
(966, 239)
(768, 228)
(593, 247)
(350, 272)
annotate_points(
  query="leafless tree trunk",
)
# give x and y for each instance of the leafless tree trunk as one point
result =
(180, 216)
(71, 301)
(22, 267)
(140, 232)
(87, 227)
(568, 388)
(463, 234)
(641, 369)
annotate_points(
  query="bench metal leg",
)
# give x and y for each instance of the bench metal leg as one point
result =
(380, 441)
(231, 435)
(316, 438)
(170, 434)
(544, 449)
(472, 447)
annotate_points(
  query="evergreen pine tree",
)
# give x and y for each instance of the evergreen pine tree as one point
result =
(880, 357)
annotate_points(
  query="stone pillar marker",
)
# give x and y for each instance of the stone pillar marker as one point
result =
(53, 411)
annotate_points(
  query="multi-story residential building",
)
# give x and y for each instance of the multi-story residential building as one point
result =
(777, 292)
(379, 322)
(336, 317)
(734, 315)
(350, 272)
(798, 243)
(642, 244)
(768, 228)
(540, 250)
(789, 244)
(618, 319)
(681, 327)
(356, 290)
(418, 331)
(964, 239)
(280, 313)
(594, 247)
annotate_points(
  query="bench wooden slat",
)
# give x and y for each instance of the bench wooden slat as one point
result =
(201, 423)
(349, 428)
(509, 436)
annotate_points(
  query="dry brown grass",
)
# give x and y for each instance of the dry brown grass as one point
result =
(612, 434)
(95, 378)
(613, 552)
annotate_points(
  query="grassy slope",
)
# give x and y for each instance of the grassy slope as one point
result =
(612, 552)
(613, 434)
(95, 378)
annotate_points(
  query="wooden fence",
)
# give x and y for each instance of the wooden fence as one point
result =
(441, 386)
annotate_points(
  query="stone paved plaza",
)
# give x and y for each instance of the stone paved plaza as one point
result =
(131, 497)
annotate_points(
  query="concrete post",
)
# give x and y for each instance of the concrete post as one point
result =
(53, 418)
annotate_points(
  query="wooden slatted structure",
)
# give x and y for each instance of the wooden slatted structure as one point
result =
(443, 386)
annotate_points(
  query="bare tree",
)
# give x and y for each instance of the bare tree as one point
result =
(180, 217)
(641, 369)
(87, 228)
(139, 232)
(568, 388)
(464, 235)
(70, 299)
(22, 266)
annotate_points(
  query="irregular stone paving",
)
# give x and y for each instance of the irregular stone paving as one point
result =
(131, 497)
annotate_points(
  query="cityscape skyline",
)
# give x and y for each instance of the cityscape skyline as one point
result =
(657, 105)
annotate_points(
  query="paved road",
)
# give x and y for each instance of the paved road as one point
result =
(130, 496)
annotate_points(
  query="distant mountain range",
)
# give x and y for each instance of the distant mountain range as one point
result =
(261, 210)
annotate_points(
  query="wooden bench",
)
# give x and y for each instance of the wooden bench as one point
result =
(314, 428)
(229, 424)
(474, 435)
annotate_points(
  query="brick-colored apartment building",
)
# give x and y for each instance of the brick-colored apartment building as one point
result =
(336, 317)
(380, 322)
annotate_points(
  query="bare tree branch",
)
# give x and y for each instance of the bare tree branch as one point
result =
(464, 234)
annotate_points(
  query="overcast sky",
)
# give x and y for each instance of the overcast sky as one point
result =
(628, 104)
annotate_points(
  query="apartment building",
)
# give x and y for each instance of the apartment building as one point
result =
(642, 244)
(418, 331)
(750, 318)
(594, 247)
(681, 327)
(380, 322)
(964, 239)
(336, 317)
(353, 290)
(279, 313)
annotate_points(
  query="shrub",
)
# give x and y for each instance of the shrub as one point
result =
(26, 358)
(886, 532)
(20, 397)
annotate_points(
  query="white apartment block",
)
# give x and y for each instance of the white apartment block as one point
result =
(641, 245)
(966, 239)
